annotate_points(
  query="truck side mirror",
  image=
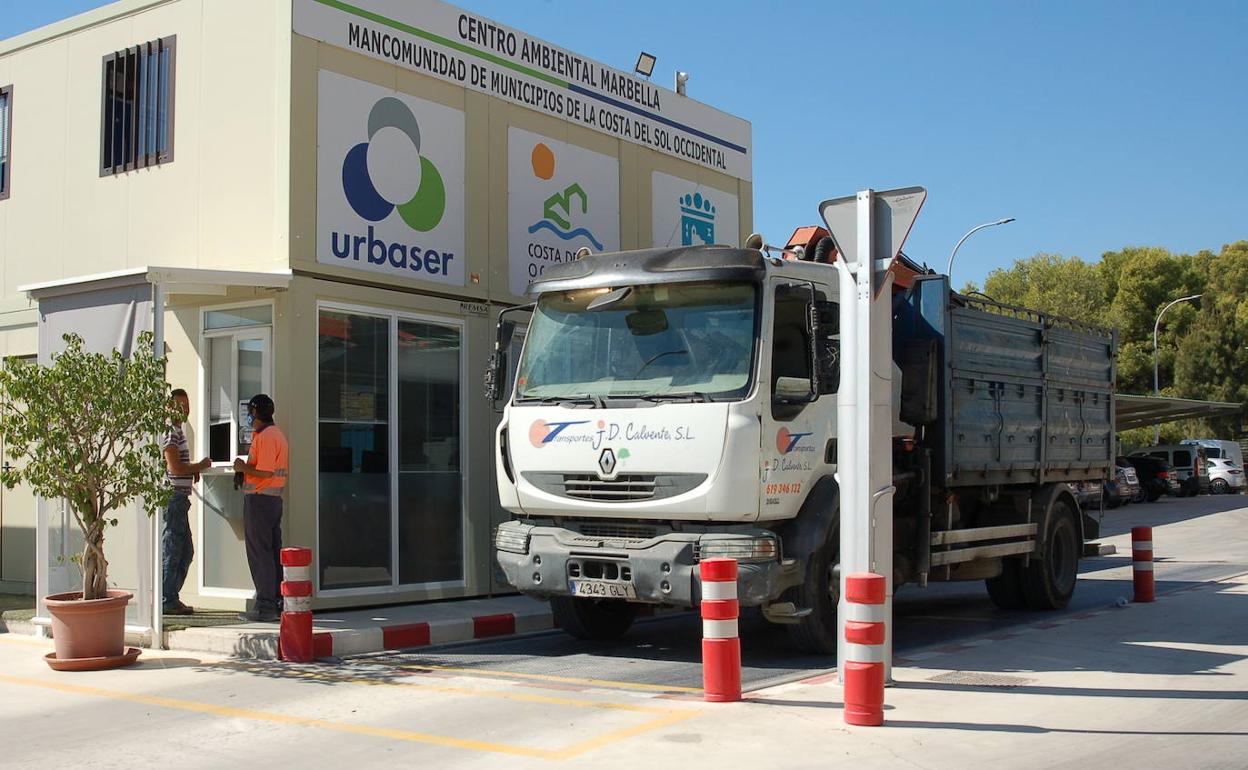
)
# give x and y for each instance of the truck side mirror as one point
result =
(792, 390)
(495, 369)
(495, 377)
(827, 330)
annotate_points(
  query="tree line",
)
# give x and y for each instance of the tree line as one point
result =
(1202, 345)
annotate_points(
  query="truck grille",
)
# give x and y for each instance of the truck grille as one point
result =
(609, 530)
(627, 487)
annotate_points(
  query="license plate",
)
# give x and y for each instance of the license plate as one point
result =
(603, 589)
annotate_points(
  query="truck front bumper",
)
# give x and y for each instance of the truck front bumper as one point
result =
(662, 570)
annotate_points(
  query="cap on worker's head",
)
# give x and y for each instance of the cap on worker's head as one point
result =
(263, 406)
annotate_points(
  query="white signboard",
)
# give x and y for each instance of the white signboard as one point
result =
(690, 214)
(445, 42)
(560, 197)
(389, 182)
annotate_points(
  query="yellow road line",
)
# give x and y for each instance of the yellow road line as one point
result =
(560, 679)
(524, 697)
(668, 717)
(615, 736)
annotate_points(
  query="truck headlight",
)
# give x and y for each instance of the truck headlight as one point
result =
(513, 537)
(743, 549)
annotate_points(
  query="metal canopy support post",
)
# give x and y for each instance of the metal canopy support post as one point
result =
(158, 600)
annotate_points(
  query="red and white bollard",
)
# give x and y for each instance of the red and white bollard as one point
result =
(1142, 563)
(865, 633)
(721, 649)
(295, 638)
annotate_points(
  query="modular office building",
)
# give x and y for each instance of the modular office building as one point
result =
(328, 202)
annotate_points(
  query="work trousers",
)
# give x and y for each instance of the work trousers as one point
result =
(176, 548)
(262, 529)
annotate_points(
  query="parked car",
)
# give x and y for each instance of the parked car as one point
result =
(1088, 493)
(1225, 477)
(1125, 486)
(1188, 463)
(1156, 476)
(1217, 449)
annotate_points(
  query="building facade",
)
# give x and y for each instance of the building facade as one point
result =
(395, 173)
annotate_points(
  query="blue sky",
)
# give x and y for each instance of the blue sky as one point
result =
(1096, 124)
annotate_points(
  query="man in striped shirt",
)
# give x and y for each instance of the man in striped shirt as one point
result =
(175, 539)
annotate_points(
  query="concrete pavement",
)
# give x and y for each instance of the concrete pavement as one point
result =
(1154, 685)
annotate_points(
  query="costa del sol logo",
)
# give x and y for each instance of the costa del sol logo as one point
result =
(559, 209)
(388, 173)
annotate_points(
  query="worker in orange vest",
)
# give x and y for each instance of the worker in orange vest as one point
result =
(264, 479)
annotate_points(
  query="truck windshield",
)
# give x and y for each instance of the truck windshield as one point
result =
(691, 340)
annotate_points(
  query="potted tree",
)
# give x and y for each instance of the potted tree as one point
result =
(87, 429)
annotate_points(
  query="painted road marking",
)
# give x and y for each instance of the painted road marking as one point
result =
(609, 683)
(664, 718)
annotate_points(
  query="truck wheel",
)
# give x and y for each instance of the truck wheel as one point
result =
(1006, 589)
(592, 618)
(1048, 580)
(1153, 495)
(820, 591)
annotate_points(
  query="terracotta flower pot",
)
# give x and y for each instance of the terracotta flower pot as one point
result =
(88, 633)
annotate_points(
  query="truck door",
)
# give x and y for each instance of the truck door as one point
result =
(516, 326)
(796, 427)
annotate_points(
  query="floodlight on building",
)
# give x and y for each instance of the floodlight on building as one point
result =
(645, 64)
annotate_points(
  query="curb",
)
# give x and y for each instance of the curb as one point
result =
(262, 644)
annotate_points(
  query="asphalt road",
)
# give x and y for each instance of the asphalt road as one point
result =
(665, 651)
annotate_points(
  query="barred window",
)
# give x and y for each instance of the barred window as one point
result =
(6, 143)
(137, 107)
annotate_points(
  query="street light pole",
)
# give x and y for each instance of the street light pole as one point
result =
(1156, 384)
(972, 231)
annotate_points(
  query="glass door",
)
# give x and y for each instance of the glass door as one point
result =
(390, 483)
(237, 365)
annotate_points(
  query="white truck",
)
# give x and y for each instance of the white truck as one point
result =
(671, 405)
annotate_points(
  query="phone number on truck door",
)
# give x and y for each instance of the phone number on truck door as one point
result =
(783, 488)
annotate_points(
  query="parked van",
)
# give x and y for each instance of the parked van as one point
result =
(1188, 461)
(1217, 449)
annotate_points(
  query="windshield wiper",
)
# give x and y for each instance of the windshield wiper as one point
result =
(593, 399)
(692, 396)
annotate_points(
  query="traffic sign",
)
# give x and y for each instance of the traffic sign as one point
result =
(892, 213)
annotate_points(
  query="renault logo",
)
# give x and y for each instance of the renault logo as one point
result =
(606, 462)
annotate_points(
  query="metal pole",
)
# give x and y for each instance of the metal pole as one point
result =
(158, 342)
(1156, 385)
(972, 231)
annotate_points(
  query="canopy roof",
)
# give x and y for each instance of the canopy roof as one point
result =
(1143, 411)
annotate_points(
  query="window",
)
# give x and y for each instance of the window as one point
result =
(137, 107)
(6, 143)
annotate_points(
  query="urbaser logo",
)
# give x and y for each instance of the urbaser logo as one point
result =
(419, 195)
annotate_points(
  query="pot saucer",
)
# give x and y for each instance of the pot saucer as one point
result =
(93, 664)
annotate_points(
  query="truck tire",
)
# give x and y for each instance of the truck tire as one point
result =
(593, 619)
(1006, 589)
(820, 591)
(1153, 494)
(1049, 578)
